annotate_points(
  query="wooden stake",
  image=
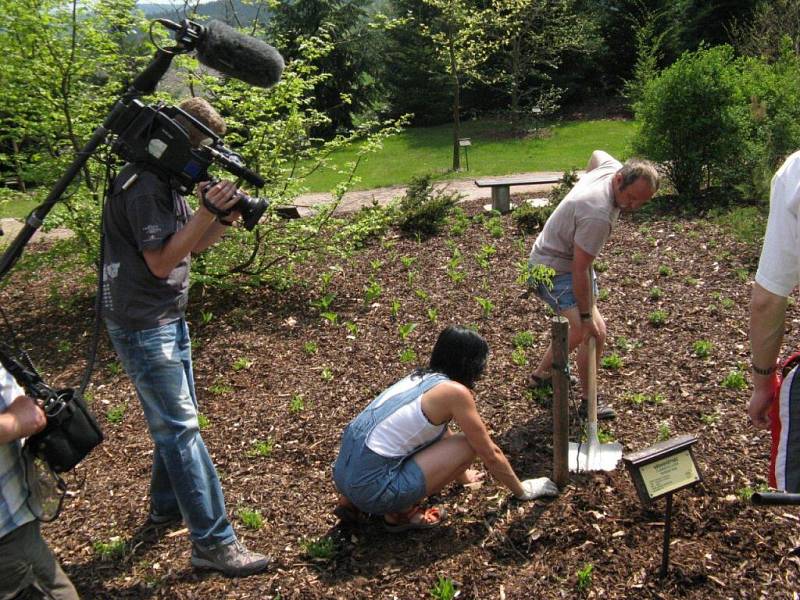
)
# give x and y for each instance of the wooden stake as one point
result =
(560, 345)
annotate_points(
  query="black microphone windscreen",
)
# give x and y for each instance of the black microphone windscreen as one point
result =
(238, 55)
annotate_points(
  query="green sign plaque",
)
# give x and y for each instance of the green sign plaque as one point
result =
(666, 467)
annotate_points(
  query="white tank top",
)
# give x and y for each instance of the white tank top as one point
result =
(405, 429)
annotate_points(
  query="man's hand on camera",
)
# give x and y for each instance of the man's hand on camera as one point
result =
(219, 197)
(28, 417)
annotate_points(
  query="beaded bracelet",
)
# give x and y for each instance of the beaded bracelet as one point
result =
(760, 371)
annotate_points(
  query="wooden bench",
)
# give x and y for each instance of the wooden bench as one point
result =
(501, 188)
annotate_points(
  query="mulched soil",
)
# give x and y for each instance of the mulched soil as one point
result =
(492, 546)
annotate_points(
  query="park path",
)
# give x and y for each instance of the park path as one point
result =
(351, 202)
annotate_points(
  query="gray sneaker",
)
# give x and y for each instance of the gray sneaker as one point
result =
(232, 559)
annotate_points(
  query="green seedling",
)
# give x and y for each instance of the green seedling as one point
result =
(727, 303)
(486, 306)
(113, 549)
(612, 362)
(484, 254)
(310, 348)
(518, 356)
(251, 518)
(637, 258)
(322, 548)
(533, 275)
(455, 275)
(655, 293)
(115, 368)
(422, 295)
(395, 308)
(376, 264)
(603, 295)
(202, 421)
(584, 577)
(242, 363)
(657, 318)
(297, 404)
(692, 281)
(116, 413)
(408, 355)
(372, 291)
(433, 315)
(745, 494)
(323, 303)
(64, 346)
(206, 317)
(742, 275)
(330, 317)
(523, 339)
(405, 329)
(664, 271)
(408, 261)
(605, 437)
(664, 432)
(352, 328)
(702, 348)
(325, 280)
(443, 589)
(327, 374)
(262, 448)
(220, 388)
(600, 266)
(735, 381)
(709, 419)
(410, 276)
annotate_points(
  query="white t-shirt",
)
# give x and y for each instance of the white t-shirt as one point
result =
(584, 218)
(779, 266)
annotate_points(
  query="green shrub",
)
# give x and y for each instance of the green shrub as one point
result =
(529, 218)
(423, 210)
(693, 120)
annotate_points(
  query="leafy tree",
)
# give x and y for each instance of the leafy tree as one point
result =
(771, 22)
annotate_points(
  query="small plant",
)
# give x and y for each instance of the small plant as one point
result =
(64, 346)
(709, 418)
(408, 261)
(692, 281)
(325, 280)
(637, 398)
(242, 363)
(727, 303)
(600, 266)
(113, 549)
(664, 271)
(262, 448)
(584, 577)
(405, 329)
(372, 291)
(376, 264)
(742, 275)
(637, 258)
(395, 308)
(310, 348)
(702, 348)
(655, 293)
(423, 209)
(483, 255)
(408, 355)
(320, 549)
(486, 306)
(612, 362)
(745, 494)
(115, 368)
(352, 328)
(664, 432)
(297, 404)
(603, 295)
(657, 318)
(422, 295)
(459, 222)
(206, 317)
(202, 421)
(433, 315)
(533, 275)
(735, 380)
(605, 437)
(443, 589)
(518, 356)
(220, 388)
(494, 226)
(330, 317)
(323, 303)
(523, 339)
(410, 277)
(455, 275)
(116, 413)
(251, 518)
(327, 374)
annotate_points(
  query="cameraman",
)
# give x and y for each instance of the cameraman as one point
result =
(149, 234)
(28, 568)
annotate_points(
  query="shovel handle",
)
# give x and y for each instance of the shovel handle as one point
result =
(591, 377)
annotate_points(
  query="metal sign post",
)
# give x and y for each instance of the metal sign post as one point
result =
(465, 143)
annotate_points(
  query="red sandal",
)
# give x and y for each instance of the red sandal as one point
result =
(428, 518)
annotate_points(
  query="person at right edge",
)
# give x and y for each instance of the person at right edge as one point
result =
(569, 242)
(149, 235)
(773, 407)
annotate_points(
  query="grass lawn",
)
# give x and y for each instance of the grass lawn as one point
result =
(417, 151)
(18, 208)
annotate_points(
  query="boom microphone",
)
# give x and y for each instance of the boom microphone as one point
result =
(237, 55)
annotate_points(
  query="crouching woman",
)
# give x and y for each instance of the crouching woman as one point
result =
(399, 449)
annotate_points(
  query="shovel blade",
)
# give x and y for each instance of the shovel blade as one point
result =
(594, 456)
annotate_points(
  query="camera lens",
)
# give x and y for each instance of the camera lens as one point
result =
(251, 209)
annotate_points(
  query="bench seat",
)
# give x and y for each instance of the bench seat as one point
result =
(501, 188)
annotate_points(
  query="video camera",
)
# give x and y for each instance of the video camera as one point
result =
(157, 135)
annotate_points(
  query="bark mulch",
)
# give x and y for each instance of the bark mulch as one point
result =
(277, 383)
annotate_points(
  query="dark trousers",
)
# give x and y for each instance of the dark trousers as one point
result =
(29, 569)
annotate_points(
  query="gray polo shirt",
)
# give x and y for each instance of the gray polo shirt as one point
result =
(584, 218)
(142, 216)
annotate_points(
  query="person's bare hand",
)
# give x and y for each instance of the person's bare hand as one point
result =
(590, 329)
(29, 418)
(471, 477)
(758, 407)
(221, 195)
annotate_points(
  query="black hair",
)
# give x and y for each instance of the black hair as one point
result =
(461, 354)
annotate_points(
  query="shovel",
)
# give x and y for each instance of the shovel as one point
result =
(591, 455)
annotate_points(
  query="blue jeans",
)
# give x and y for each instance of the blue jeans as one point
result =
(159, 362)
(561, 296)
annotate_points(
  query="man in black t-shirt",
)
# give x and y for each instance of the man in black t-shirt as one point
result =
(149, 235)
